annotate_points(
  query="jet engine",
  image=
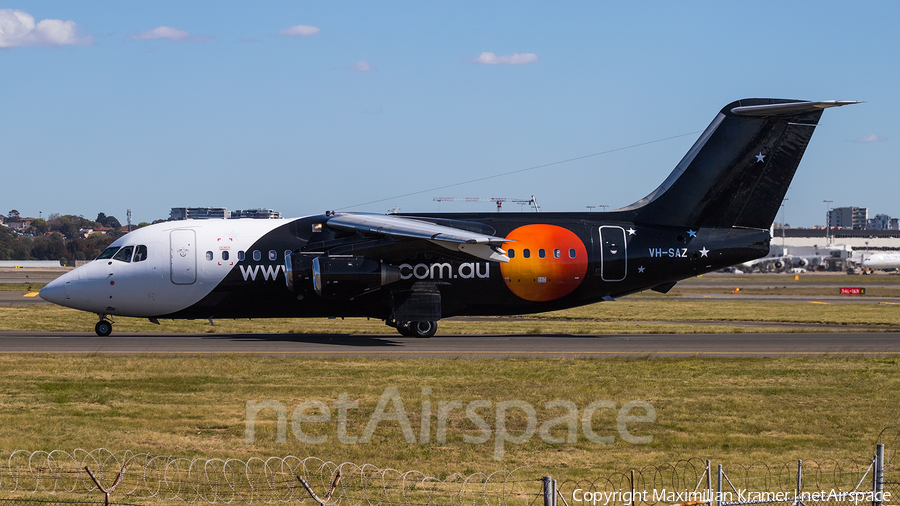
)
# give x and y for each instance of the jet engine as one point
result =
(341, 277)
(779, 264)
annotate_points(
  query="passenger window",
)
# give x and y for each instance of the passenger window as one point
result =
(140, 253)
(124, 254)
(273, 255)
(526, 253)
(241, 255)
(224, 255)
(511, 253)
(287, 253)
(571, 252)
(257, 255)
(541, 253)
(108, 253)
(209, 255)
(556, 253)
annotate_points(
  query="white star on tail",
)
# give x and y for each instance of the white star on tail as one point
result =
(760, 157)
(631, 231)
(641, 269)
(692, 233)
(704, 251)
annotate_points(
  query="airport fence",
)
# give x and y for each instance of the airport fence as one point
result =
(80, 477)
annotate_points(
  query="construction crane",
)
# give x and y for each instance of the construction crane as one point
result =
(532, 201)
(497, 200)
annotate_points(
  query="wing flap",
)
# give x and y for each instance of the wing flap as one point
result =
(486, 247)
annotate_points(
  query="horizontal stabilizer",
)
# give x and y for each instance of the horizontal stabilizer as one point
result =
(788, 108)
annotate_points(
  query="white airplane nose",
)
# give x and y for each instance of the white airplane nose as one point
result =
(54, 292)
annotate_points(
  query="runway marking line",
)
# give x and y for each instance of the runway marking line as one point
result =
(817, 302)
(31, 294)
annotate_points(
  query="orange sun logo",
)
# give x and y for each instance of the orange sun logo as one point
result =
(545, 263)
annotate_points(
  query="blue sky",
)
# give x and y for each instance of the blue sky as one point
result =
(310, 106)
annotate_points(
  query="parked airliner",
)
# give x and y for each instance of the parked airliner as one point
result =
(879, 261)
(411, 270)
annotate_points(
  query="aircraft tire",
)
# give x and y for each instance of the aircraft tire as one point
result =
(423, 328)
(103, 328)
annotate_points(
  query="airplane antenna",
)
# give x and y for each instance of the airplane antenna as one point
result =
(128, 213)
(395, 210)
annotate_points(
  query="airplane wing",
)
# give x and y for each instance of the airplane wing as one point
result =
(483, 246)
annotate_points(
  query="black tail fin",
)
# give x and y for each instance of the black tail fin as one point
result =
(738, 171)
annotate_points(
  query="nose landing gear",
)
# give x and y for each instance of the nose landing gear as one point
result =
(103, 328)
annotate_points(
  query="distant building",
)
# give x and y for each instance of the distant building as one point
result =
(854, 218)
(197, 213)
(259, 214)
(20, 224)
(883, 222)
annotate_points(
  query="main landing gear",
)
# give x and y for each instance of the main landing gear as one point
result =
(103, 328)
(415, 329)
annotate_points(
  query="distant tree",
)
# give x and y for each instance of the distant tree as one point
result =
(40, 226)
(69, 230)
(101, 219)
(143, 224)
(14, 216)
(112, 223)
(48, 247)
(158, 221)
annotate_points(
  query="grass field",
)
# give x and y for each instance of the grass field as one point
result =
(732, 410)
(21, 287)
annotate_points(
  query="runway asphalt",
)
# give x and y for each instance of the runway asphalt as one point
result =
(455, 346)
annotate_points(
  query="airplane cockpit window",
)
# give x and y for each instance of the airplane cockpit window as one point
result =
(108, 253)
(140, 253)
(257, 256)
(124, 254)
(209, 255)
